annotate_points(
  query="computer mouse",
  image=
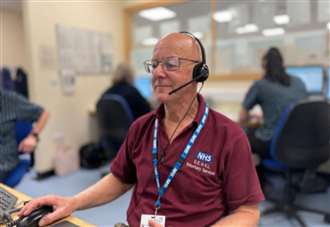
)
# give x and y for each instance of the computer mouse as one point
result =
(33, 218)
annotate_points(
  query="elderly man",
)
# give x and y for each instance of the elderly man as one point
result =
(189, 165)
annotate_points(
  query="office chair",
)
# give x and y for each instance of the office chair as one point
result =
(114, 117)
(23, 128)
(301, 143)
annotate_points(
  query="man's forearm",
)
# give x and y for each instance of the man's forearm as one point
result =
(245, 216)
(41, 122)
(106, 190)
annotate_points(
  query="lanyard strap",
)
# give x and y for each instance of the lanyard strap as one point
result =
(178, 164)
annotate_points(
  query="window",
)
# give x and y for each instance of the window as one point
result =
(235, 33)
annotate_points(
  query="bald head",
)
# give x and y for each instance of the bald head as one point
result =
(179, 44)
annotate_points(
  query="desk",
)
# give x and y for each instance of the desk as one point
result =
(22, 197)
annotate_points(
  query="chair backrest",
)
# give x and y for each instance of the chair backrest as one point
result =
(23, 128)
(114, 117)
(303, 140)
(17, 174)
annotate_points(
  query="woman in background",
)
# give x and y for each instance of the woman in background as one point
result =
(274, 92)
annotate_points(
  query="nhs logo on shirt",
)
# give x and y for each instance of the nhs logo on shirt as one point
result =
(202, 163)
(204, 157)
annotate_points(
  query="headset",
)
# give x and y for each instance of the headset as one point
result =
(201, 70)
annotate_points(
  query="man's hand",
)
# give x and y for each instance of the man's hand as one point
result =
(63, 207)
(28, 144)
(152, 223)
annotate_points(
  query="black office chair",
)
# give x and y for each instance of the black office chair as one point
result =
(114, 117)
(300, 144)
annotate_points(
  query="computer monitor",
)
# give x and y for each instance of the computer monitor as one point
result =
(143, 84)
(312, 76)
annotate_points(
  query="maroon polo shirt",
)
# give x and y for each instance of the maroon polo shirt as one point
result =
(217, 177)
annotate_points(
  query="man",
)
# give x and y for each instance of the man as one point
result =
(15, 107)
(216, 184)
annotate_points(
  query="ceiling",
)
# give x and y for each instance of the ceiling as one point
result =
(304, 15)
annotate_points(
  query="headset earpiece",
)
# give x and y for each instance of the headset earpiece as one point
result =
(201, 70)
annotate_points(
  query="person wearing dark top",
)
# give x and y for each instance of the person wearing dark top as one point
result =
(274, 92)
(21, 82)
(123, 80)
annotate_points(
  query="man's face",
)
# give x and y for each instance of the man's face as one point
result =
(174, 58)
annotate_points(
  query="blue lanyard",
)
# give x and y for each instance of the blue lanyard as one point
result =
(178, 164)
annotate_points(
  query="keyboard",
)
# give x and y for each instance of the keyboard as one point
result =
(7, 200)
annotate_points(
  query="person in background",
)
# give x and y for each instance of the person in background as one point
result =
(15, 107)
(6, 80)
(203, 156)
(123, 85)
(21, 82)
(274, 92)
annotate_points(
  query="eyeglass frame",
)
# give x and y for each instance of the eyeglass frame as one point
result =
(148, 63)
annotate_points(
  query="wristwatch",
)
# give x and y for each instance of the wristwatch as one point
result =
(36, 135)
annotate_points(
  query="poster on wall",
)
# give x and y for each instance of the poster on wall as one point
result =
(68, 81)
(83, 51)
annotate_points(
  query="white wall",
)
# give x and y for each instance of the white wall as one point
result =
(226, 96)
(12, 44)
(68, 114)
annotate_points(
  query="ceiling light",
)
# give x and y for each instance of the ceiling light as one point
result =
(158, 13)
(282, 19)
(198, 35)
(328, 25)
(223, 16)
(248, 28)
(273, 31)
(149, 41)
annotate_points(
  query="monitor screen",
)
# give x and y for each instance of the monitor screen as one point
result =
(312, 76)
(143, 84)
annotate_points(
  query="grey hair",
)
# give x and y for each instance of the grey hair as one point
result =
(123, 73)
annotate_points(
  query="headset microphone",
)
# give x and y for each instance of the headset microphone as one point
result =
(184, 85)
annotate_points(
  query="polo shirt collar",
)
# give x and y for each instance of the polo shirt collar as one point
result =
(160, 111)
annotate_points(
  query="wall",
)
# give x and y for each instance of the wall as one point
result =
(12, 43)
(226, 96)
(68, 114)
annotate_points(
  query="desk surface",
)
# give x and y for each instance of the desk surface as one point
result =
(22, 197)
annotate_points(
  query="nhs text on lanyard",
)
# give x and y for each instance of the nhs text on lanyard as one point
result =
(178, 164)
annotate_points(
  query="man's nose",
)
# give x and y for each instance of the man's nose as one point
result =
(159, 70)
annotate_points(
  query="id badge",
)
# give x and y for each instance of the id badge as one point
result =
(160, 219)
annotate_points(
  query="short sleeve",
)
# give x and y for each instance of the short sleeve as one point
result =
(251, 97)
(26, 110)
(241, 183)
(122, 166)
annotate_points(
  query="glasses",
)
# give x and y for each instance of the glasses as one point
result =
(169, 63)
